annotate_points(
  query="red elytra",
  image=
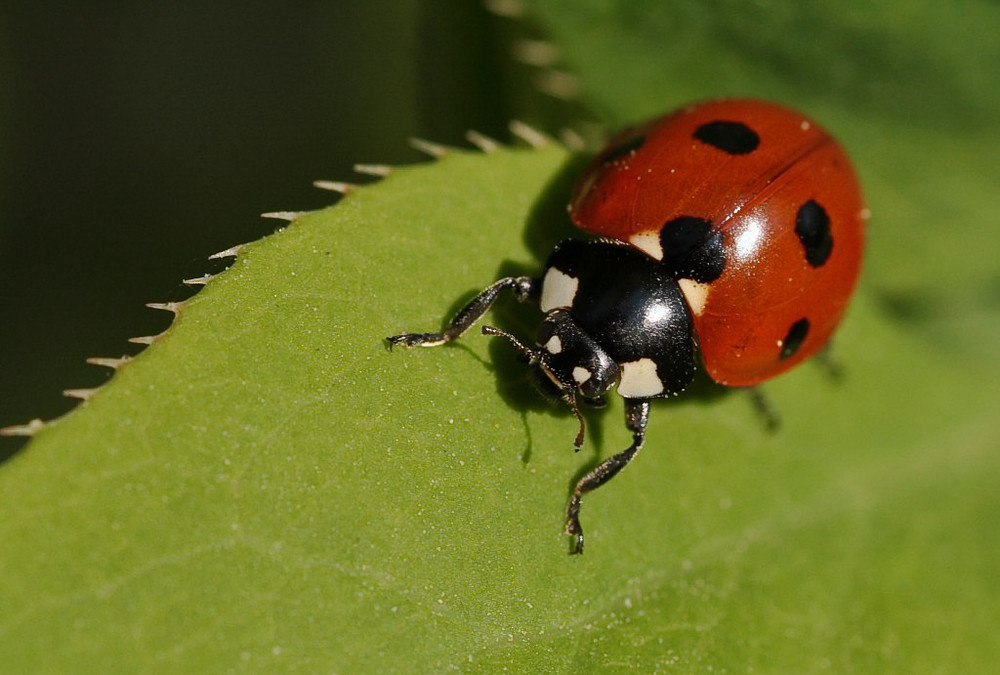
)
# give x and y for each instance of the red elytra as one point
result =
(763, 176)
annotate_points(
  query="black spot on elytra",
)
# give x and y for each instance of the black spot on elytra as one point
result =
(623, 150)
(812, 226)
(692, 249)
(734, 138)
(794, 339)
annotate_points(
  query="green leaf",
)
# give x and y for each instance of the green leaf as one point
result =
(267, 488)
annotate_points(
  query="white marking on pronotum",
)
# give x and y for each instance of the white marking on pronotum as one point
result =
(558, 290)
(529, 135)
(554, 345)
(282, 215)
(649, 243)
(482, 141)
(695, 293)
(581, 374)
(435, 150)
(639, 379)
(334, 186)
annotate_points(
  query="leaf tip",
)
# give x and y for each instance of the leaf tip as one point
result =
(29, 429)
(198, 281)
(109, 362)
(572, 139)
(535, 52)
(334, 186)
(289, 216)
(482, 141)
(558, 84)
(435, 150)
(510, 9)
(380, 170)
(81, 394)
(529, 134)
(230, 252)
(173, 307)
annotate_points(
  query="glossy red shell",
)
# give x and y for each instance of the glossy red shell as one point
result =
(659, 171)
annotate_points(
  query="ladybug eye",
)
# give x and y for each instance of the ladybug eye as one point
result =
(734, 138)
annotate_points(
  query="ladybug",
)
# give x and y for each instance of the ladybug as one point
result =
(729, 234)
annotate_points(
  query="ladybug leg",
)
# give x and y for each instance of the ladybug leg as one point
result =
(525, 288)
(636, 419)
(825, 357)
(764, 408)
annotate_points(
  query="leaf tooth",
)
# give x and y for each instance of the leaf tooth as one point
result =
(381, 170)
(435, 150)
(198, 281)
(109, 362)
(482, 141)
(29, 429)
(174, 307)
(334, 186)
(144, 339)
(529, 134)
(572, 139)
(558, 84)
(511, 9)
(540, 53)
(230, 252)
(82, 394)
(283, 215)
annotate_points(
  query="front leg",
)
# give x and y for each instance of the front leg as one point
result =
(524, 288)
(636, 419)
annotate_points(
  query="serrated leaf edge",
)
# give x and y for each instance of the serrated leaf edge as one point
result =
(531, 136)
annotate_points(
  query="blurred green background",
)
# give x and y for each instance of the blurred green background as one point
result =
(136, 139)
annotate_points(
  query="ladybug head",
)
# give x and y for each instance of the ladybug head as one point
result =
(568, 364)
(571, 359)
